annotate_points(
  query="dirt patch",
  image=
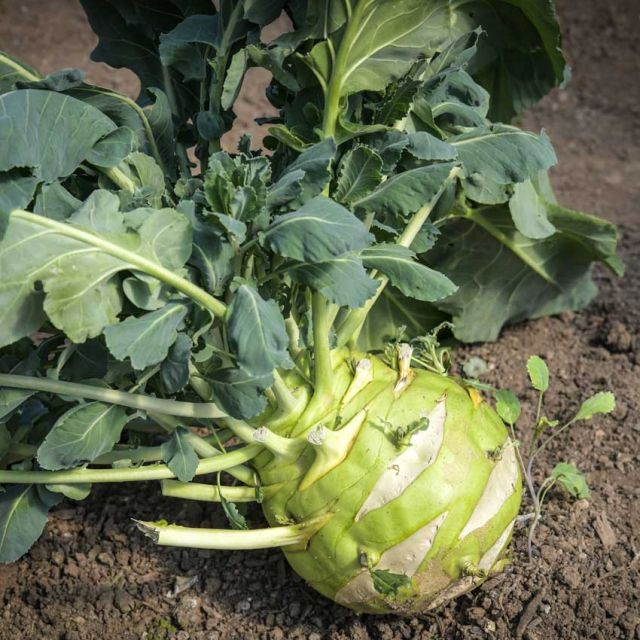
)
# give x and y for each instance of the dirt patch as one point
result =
(92, 575)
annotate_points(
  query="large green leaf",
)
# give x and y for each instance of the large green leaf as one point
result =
(239, 393)
(500, 155)
(10, 400)
(358, 175)
(406, 192)
(257, 333)
(319, 230)
(23, 515)
(52, 134)
(78, 268)
(505, 277)
(81, 435)
(180, 456)
(315, 162)
(380, 42)
(342, 280)
(394, 311)
(520, 60)
(129, 37)
(146, 340)
(409, 276)
(529, 211)
(174, 372)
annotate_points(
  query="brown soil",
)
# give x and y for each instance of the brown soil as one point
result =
(93, 576)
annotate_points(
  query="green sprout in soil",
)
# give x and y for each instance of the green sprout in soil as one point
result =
(543, 432)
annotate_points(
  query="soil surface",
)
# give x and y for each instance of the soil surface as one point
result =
(92, 575)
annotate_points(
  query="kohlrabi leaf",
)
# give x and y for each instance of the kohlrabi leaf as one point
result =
(212, 256)
(176, 46)
(87, 360)
(10, 400)
(529, 211)
(51, 134)
(100, 212)
(389, 146)
(519, 60)
(72, 491)
(162, 141)
(180, 456)
(146, 340)
(16, 189)
(538, 373)
(359, 174)
(174, 371)
(315, 162)
(380, 43)
(424, 146)
(239, 393)
(449, 100)
(78, 269)
(320, 230)
(406, 274)
(23, 516)
(129, 37)
(343, 280)
(505, 277)
(571, 479)
(394, 312)
(81, 435)
(257, 333)
(406, 192)
(508, 406)
(500, 155)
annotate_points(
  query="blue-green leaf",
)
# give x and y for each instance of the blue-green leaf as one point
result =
(174, 372)
(406, 274)
(23, 516)
(406, 192)
(320, 230)
(180, 456)
(257, 333)
(239, 393)
(315, 162)
(342, 280)
(358, 175)
(81, 435)
(146, 340)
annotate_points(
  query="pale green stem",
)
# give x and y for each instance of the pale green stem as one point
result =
(176, 536)
(207, 492)
(206, 450)
(110, 396)
(118, 177)
(287, 402)
(323, 371)
(27, 75)
(135, 260)
(222, 462)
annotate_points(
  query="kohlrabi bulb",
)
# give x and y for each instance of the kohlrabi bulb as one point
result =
(417, 486)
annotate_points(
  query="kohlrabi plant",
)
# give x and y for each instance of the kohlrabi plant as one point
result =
(261, 319)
